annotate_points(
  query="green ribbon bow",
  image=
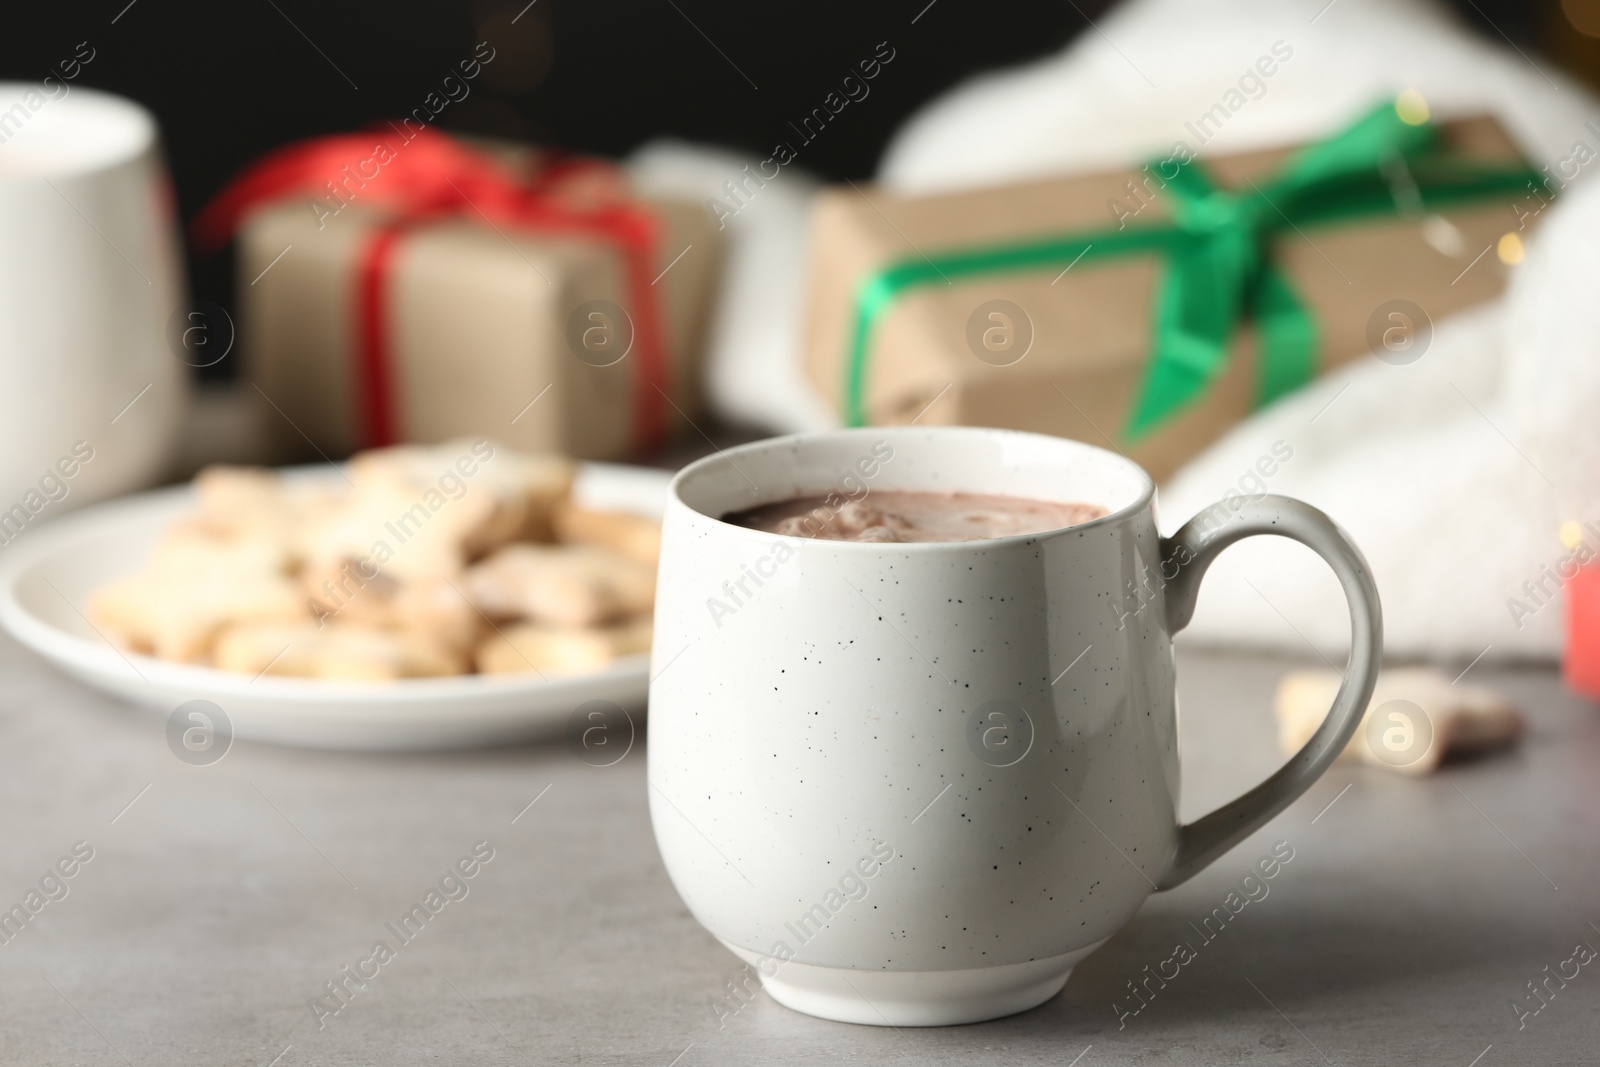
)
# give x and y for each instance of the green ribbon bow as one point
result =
(1217, 247)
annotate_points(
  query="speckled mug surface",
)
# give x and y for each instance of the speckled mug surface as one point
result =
(914, 784)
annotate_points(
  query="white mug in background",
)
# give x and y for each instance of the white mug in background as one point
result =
(915, 783)
(91, 392)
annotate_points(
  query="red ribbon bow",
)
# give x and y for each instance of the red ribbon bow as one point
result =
(429, 176)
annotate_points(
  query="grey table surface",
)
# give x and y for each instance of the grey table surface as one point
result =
(220, 899)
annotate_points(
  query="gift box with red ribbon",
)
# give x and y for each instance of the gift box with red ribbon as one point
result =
(406, 286)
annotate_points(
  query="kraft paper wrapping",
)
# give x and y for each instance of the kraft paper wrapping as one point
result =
(1092, 324)
(478, 321)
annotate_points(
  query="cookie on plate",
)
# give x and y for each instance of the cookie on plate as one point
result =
(360, 592)
(563, 585)
(514, 493)
(193, 587)
(252, 502)
(556, 651)
(410, 535)
(334, 651)
(632, 535)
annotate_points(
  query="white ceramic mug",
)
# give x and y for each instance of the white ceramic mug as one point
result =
(90, 279)
(914, 784)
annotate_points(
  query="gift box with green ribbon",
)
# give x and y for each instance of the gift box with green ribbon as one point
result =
(1153, 308)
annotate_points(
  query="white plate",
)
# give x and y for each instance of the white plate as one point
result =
(46, 578)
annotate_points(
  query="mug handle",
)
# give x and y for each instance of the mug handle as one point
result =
(1195, 546)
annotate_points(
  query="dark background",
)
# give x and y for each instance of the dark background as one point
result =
(229, 80)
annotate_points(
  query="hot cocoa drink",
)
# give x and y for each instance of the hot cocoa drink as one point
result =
(906, 515)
